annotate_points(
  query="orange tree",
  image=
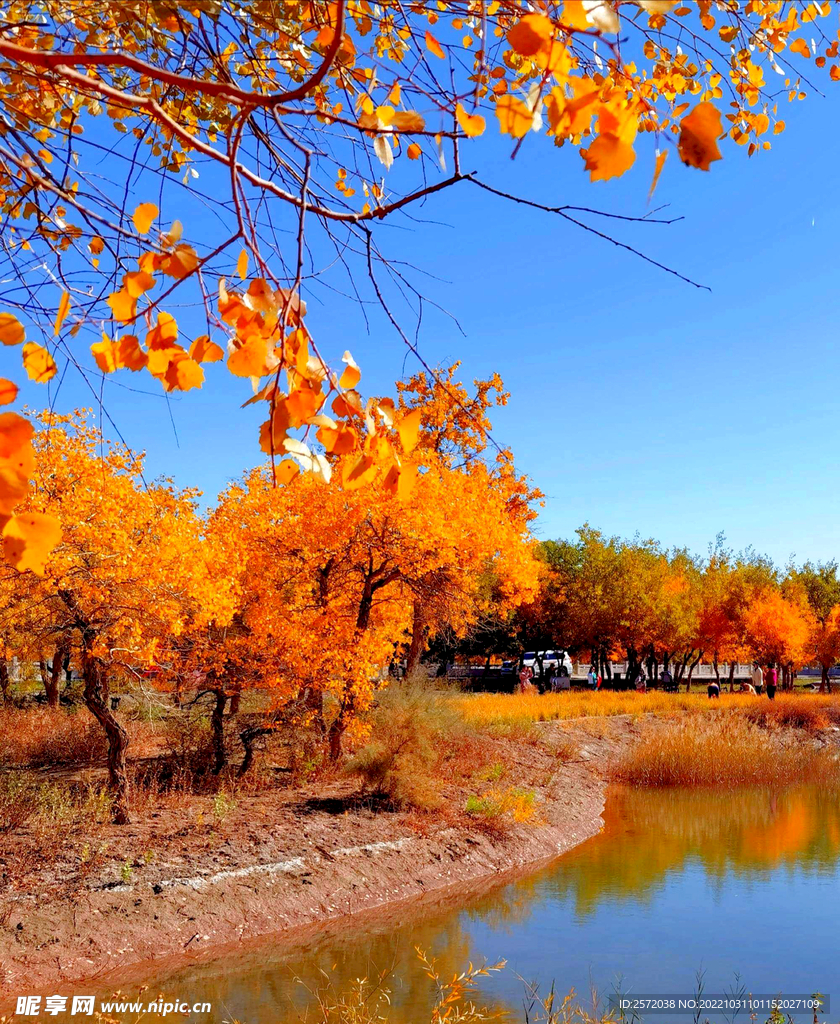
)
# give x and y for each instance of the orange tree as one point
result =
(311, 123)
(127, 575)
(336, 575)
(778, 628)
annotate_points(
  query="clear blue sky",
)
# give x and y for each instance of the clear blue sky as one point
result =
(638, 403)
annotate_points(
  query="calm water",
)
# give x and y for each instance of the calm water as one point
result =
(677, 882)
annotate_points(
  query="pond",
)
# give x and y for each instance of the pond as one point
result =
(728, 883)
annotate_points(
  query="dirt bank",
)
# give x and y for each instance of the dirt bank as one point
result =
(283, 862)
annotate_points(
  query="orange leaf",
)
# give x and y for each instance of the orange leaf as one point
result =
(123, 306)
(574, 15)
(129, 353)
(203, 350)
(514, 117)
(164, 333)
(408, 478)
(28, 540)
(357, 474)
(471, 124)
(434, 46)
(413, 151)
(38, 363)
(409, 429)
(105, 354)
(242, 264)
(63, 310)
(530, 34)
(699, 132)
(143, 217)
(96, 245)
(135, 282)
(249, 359)
(183, 374)
(608, 157)
(287, 471)
(338, 440)
(15, 433)
(11, 330)
(657, 170)
(352, 375)
(8, 392)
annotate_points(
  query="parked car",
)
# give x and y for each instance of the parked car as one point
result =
(553, 662)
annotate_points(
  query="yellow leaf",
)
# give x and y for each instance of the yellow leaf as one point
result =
(355, 474)
(11, 330)
(123, 306)
(574, 15)
(105, 354)
(143, 217)
(609, 157)
(434, 46)
(408, 121)
(409, 429)
(530, 34)
(38, 363)
(29, 539)
(699, 132)
(471, 124)
(514, 117)
(136, 282)
(8, 392)
(338, 440)
(287, 471)
(352, 374)
(203, 350)
(657, 170)
(63, 310)
(242, 265)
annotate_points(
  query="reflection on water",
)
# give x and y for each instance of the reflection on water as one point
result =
(727, 882)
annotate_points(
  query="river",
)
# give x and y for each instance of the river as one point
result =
(723, 884)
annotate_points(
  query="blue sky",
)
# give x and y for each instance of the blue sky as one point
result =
(638, 403)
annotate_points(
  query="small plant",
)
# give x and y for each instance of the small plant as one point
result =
(493, 773)
(126, 872)
(518, 804)
(223, 804)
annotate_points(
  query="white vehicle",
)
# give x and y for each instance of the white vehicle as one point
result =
(553, 660)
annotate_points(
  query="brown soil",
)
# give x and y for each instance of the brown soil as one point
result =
(288, 861)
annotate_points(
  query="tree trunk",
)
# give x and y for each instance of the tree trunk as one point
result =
(825, 679)
(96, 700)
(731, 676)
(234, 704)
(249, 737)
(691, 669)
(4, 679)
(334, 736)
(52, 683)
(418, 638)
(217, 721)
(717, 669)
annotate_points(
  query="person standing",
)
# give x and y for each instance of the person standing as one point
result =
(526, 673)
(772, 679)
(713, 689)
(592, 678)
(758, 678)
(667, 679)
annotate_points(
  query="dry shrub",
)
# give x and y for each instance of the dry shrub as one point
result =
(44, 736)
(409, 727)
(813, 712)
(723, 750)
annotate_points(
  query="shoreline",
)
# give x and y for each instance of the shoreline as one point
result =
(111, 930)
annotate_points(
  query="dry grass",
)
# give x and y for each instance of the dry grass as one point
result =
(511, 711)
(727, 749)
(41, 736)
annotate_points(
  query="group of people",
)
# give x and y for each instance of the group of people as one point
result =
(558, 680)
(757, 685)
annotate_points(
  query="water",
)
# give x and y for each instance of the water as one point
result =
(678, 882)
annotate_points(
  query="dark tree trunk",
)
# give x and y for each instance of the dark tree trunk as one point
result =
(249, 737)
(825, 679)
(418, 638)
(691, 669)
(96, 700)
(52, 682)
(234, 704)
(334, 737)
(217, 722)
(731, 676)
(4, 679)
